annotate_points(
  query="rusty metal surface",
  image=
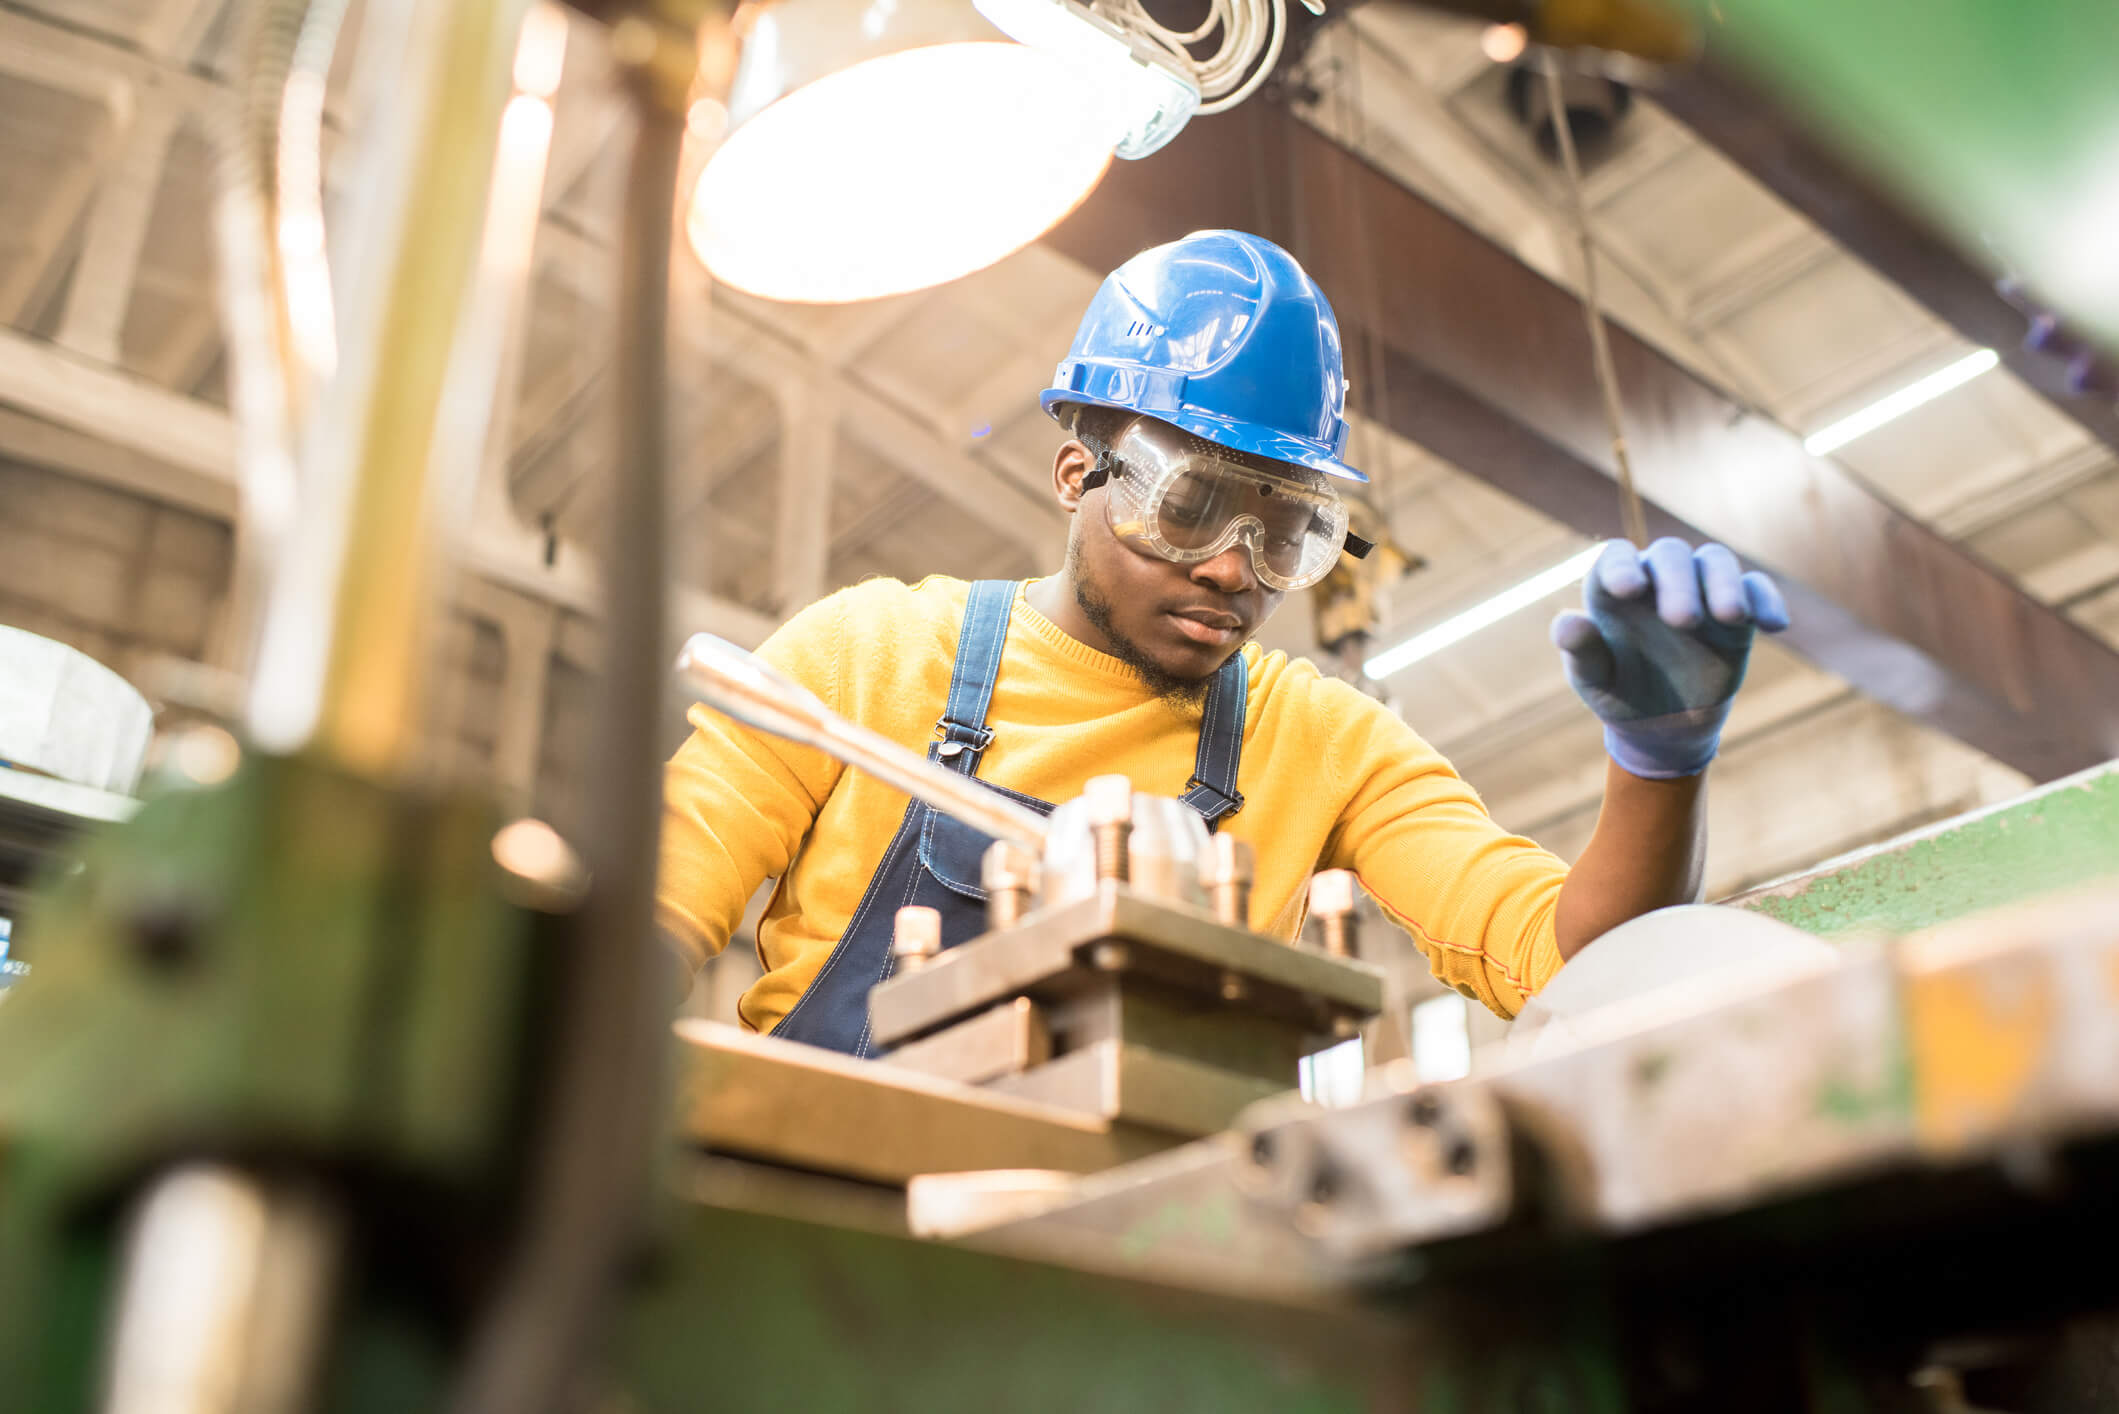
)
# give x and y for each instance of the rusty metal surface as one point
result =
(1992, 1041)
(799, 1106)
(1140, 1085)
(2062, 836)
(1488, 365)
(1176, 945)
(999, 1041)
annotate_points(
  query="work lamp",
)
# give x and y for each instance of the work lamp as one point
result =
(882, 146)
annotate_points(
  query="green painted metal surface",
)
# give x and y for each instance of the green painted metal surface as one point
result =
(296, 968)
(2065, 835)
(1999, 118)
(753, 1312)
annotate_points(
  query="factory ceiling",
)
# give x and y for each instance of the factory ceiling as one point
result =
(820, 445)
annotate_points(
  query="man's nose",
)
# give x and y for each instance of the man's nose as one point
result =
(1230, 571)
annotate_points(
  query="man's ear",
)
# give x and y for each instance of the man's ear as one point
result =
(1069, 466)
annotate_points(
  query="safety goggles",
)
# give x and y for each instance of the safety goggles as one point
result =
(1184, 499)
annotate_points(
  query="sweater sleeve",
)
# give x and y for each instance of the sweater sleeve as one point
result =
(738, 803)
(1481, 902)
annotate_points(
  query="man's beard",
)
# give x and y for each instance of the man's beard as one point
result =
(1177, 691)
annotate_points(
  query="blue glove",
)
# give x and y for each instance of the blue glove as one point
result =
(1661, 668)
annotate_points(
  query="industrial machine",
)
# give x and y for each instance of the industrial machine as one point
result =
(330, 1090)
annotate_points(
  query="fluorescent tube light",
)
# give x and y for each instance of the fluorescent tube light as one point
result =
(1898, 404)
(1492, 611)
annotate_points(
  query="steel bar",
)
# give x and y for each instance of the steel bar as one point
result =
(1489, 366)
(743, 686)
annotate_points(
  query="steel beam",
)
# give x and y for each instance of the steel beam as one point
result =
(1487, 364)
(1873, 226)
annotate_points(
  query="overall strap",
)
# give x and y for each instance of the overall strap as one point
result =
(978, 662)
(1212, 789)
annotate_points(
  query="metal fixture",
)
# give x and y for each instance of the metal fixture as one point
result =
(918, 937)
(224, 1294)
(1332, 905)
(1226, 874)
(1009, 874)
(1150, 1014)
(1110, 806)
(877, 149)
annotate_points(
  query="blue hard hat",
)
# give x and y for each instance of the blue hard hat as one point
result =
(1223, 335)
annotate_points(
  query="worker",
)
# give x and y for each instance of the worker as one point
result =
(1203, 403)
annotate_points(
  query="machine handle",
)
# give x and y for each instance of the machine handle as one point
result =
(729, 680)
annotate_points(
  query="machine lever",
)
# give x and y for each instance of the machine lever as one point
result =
(743, 686)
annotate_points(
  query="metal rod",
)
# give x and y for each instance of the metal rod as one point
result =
(224, 1295)
(590, 1183)
(343, 644)
(740, 684)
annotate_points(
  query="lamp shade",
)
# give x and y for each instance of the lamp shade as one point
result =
(883, 146)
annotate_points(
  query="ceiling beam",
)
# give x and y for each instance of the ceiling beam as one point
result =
(1488, 365)
(1767, 142)
(177, 451)
(100, 295)
(910, 441)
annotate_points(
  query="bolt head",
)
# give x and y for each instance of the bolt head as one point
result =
(1109, 800)
(1332, 893)
(1227, 861)
(1007, 865)
(918, 935)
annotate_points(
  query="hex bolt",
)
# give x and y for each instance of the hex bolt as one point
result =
(918, 938)
(1009, 876)
(1226, 872)
(1332, 901)
(1110, 806)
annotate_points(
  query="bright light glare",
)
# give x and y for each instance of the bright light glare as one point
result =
(1442, 1039)
(1149, 99)
(706, 120)
(1333, 1076)
(1504, 44)
(1491, 611)
(897, 174)
(1892, 408)
(541, 52)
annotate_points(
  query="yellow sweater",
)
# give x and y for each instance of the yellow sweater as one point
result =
(1330, 779)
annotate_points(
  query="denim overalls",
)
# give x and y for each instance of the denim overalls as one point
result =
(934, 859)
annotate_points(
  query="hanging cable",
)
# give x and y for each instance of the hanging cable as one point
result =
(1630, 511)
(1250, 36)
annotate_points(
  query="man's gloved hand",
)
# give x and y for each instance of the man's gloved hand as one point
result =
(1660, 652)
